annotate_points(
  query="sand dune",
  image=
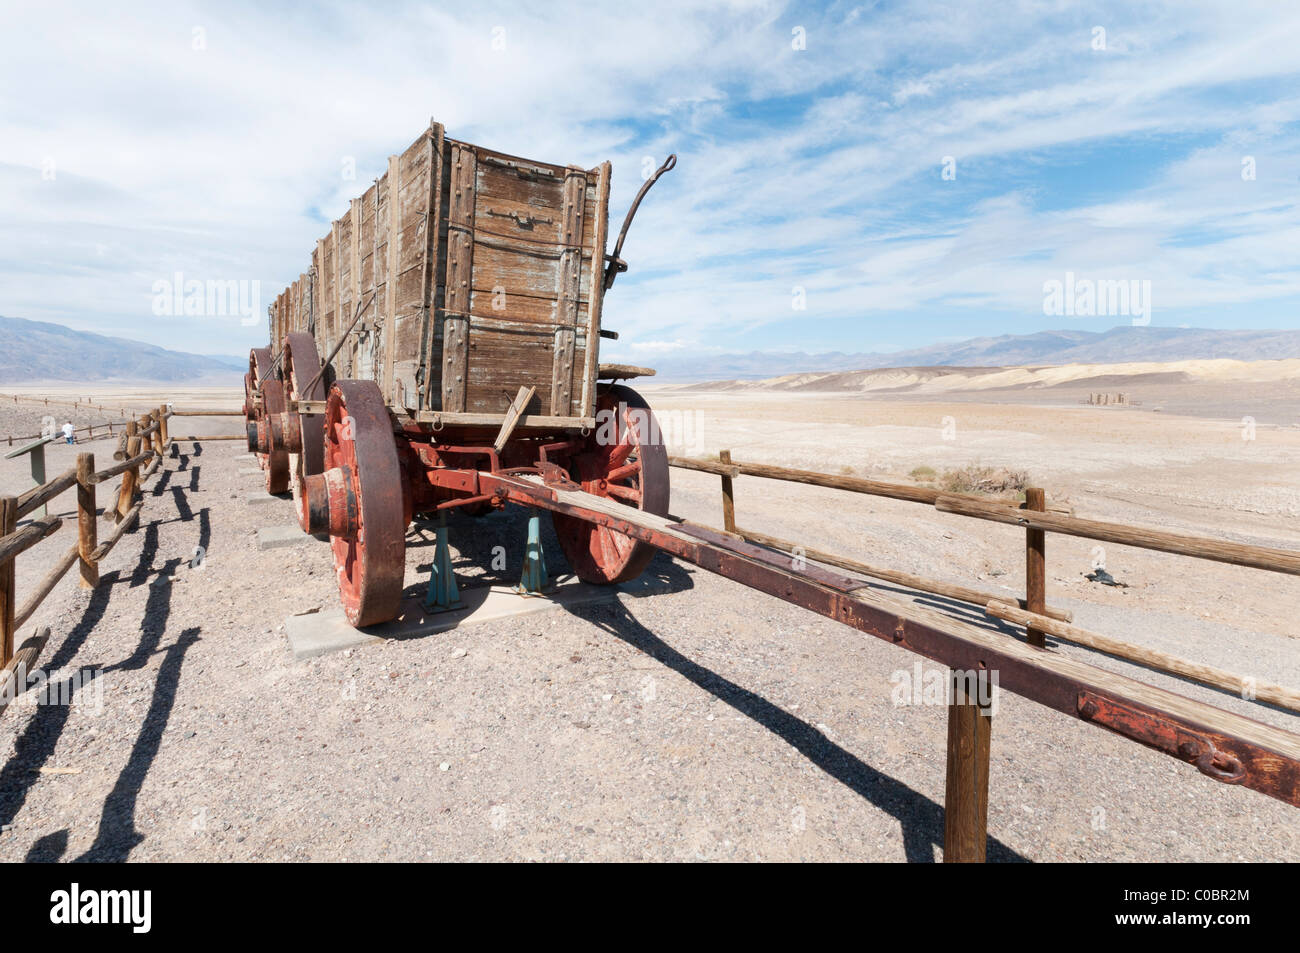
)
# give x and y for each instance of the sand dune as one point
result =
(938, 380)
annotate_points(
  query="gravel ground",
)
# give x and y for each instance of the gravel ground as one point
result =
(711, 722)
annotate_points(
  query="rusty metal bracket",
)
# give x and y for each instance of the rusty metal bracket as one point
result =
(616, 264)
(1155, 732)
(555, 476)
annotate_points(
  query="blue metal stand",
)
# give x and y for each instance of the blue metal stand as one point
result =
(534, 580)
(443, 594)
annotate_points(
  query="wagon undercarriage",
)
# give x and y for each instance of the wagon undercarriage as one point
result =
(458, 309)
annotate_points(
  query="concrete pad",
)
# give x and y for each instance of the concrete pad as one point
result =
(246, 456)
(319, 633)
(251, 471)
(257, 499)
(278, 537)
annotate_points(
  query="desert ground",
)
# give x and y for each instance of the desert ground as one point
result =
(706, 721)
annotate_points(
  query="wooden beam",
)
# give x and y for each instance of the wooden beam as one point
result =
(895, 491)
(106, 547)
(1239, 685)
(924, 584)
(87, 520)
(19, 664)
(46, 586)
(966, 797)
(394, 190)
(20, 540)
(8, 525)
(704, 466)
(126, 493)
(728, 494)
(1219, 550)
(1035, 565)
(513, 416)
(103, 476)
(38, 495)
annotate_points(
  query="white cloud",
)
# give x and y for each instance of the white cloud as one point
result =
(817, 168)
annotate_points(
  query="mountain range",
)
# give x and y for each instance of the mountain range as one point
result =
(1118, 345)
(41, 351)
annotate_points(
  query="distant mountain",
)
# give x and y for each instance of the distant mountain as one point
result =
(41, 351)
(1118, 345)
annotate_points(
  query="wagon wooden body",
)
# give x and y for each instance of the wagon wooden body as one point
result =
(474, 272)
(455, 310)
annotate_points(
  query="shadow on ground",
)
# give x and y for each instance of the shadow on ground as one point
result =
(116, 835)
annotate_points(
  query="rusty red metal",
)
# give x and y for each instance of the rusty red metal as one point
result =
(1159, 732)
(263, 398)
(360, 498)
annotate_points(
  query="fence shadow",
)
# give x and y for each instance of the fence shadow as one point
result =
(920, 818)
(116, 836)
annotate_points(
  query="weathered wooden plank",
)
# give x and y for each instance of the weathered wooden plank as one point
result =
(393, 231)
(504, 358)
(460, 269)
(596, 296)
(431, 280)
(567, 279)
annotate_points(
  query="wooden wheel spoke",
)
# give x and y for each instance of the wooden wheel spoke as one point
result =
(620, 474)
(633, 472)
(620, 453)
(628, 493)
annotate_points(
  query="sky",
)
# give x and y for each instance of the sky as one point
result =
(851, 176)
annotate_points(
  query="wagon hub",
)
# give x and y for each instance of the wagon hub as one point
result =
(329, 501)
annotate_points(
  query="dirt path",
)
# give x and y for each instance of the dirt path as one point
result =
(712, 722)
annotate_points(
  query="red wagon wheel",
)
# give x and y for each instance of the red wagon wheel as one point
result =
(358, 500)
(624, 460)
(259, 370)
(301, 365)
(248, 405)
(275, 463)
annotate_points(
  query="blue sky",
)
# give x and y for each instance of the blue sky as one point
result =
(210, 139)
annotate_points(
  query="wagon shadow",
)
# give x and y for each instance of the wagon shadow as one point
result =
(920, 818)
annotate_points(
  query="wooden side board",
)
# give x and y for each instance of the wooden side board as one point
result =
(476, 272)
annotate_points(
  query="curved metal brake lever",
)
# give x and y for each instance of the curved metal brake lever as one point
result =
(616, 264)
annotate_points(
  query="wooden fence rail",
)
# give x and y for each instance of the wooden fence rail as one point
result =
(147, 442)
(969, 720)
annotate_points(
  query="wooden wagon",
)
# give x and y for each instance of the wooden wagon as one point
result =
(457, 307)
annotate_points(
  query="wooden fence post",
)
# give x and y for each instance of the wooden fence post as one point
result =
(87, 521)
(966, 799)
(126, 495)
(1036, 566)
(164, 436)
(728, 495)
(8, 523)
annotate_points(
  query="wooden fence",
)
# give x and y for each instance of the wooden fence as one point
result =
(108, 428)
(139, 454)
(969, 724)
(1031, 611)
